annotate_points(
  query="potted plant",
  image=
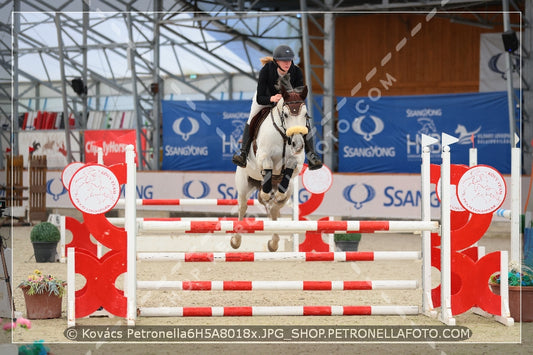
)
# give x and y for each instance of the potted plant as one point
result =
(520, 282)
(44, 237)
(43, 295)
(347, 241)
(6, 338)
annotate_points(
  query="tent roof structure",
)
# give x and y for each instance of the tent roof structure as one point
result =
(120, 47)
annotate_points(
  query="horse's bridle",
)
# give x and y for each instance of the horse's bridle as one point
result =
(295, 107)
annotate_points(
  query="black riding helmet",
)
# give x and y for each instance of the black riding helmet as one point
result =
(283, 52)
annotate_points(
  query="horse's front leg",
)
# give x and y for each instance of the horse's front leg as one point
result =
(266, 186)
(283, 187)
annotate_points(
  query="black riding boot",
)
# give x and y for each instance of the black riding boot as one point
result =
(313, 160)
(240, 159)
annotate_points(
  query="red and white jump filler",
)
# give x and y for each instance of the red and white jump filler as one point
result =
(101, 273)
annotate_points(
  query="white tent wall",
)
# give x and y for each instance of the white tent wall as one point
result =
(108, 99)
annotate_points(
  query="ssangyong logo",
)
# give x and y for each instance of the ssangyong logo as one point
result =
(373, 126)
(359, 194)
(204, 189)
(357, 126)
(176, 127)
(55, 188)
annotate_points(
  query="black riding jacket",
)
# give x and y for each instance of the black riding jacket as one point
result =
(268, 77)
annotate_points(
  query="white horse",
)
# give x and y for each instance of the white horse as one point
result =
(276, 156)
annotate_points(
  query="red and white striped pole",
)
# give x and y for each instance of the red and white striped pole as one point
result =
(286, 226)
(186, 202)
(277, 285)
(281, 256)
(277, 311)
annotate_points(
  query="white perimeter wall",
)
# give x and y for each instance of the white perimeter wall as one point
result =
(358, 196)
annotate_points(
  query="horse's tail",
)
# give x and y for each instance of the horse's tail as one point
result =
(265, 60)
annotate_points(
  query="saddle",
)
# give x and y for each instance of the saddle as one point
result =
(256, 122)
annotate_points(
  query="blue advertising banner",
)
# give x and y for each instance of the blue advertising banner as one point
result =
(383, 134)
(202, 135)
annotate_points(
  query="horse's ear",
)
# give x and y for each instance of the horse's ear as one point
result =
(283, 91)
(303, 94)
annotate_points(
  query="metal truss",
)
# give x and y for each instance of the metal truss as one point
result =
(149, 30)
(157, 48)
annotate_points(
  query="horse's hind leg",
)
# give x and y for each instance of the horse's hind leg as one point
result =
(244, 188)
(237, 238)
(273, 243)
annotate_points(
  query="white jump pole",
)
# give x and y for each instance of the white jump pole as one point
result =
(185, 202)
(427, 303)
(100, 160)
(445, 262)
(286, 226)
(515, 202)
(339, 256)
(472, 157)
(71, 288)
(100, 156)
(472, 161)
(503, 213)
(130, 214)
(505, 317)
(277, 285)
(295, 213)
(277, 311)
(63, 242)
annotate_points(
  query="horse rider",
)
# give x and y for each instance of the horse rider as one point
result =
(268, 95)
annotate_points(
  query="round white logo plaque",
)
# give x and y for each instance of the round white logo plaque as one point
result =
(69, 171)
(317, 181)
(94, 189)
(481, 189)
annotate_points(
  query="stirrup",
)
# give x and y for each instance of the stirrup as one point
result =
(239, 160)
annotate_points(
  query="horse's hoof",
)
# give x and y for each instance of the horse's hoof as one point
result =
(236, 241)
(273, 243)
(265, 196)
(280, 197)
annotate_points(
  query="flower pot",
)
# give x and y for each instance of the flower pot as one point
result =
(347, 241)
(42, 305)
(45, 252)
(347, 245)
(514, 302)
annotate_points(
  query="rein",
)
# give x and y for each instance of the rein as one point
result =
(283, 135)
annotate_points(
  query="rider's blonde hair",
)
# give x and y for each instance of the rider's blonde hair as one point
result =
(265, 60)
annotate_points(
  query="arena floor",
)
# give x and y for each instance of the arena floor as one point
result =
(486, 334)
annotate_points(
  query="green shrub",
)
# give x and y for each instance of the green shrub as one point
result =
(347, 236)
(45, 232)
